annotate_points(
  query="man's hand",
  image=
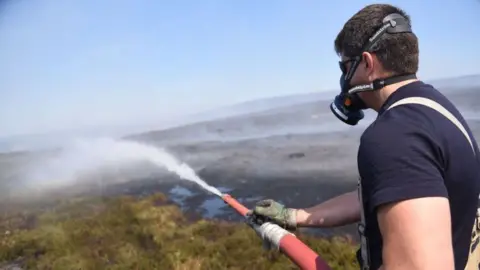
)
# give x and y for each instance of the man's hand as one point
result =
(416, 234)
(277, 213)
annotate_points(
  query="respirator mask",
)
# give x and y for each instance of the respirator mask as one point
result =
(348, 106)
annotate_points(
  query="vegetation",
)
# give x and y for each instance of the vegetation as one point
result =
(148, 233)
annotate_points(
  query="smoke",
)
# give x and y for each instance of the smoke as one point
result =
(106, 160)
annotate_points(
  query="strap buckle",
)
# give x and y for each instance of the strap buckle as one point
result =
(477, 219)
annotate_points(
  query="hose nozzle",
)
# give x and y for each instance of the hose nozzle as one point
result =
(240, 208)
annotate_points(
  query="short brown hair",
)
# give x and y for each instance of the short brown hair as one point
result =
(398, 53)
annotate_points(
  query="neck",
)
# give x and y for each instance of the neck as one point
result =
(383, 94)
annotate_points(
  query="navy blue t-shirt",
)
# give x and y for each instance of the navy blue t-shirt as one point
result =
(413, 151)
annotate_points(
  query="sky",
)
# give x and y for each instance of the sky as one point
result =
(88, 63)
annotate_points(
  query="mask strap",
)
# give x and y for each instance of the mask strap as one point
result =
(380, 83)
(392, 24)
(353, 68)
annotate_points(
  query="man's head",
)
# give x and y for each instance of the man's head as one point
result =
(392, 55)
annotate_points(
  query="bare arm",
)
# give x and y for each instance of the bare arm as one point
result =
(416, 234)
(338, 211)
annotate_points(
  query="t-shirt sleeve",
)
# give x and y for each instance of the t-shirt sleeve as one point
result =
(399, 162)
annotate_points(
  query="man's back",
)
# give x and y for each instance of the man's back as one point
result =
(432, 158)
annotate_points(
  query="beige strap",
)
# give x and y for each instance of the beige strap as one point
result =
(437, 107)
(474, 252)
(473, 262)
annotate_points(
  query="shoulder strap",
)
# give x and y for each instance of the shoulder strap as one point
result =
(364, 249)
(439, 108)
(473, 261)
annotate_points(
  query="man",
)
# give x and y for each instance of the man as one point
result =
(418, 161)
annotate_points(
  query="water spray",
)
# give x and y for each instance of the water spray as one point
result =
(92, 155)
(296, 250)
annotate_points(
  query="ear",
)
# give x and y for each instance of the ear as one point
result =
(368, 59)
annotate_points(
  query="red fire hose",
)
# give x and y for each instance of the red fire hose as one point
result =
(296, 250)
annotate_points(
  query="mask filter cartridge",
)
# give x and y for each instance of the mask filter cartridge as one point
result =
(340, 108)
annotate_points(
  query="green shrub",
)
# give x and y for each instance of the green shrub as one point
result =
(126, 233)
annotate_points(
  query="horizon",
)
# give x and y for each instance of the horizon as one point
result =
(85, 65)
(225, 106)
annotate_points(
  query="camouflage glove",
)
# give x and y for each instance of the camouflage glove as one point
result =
(276, 213)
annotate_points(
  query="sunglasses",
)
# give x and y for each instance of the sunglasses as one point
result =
(343, 64)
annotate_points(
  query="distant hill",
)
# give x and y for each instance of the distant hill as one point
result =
(307, 117)
(303, 113)
(296, 109)
(262, 104)
(445, 85)
(451, 84)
